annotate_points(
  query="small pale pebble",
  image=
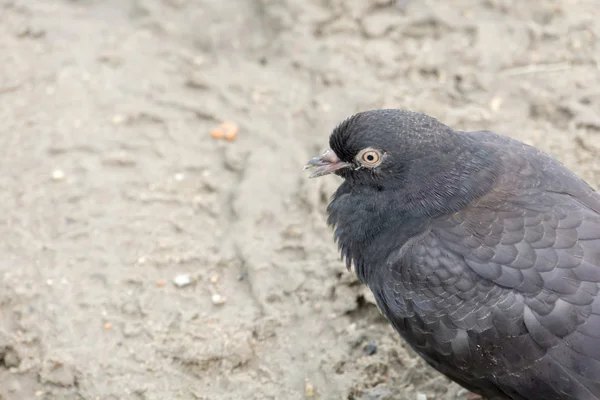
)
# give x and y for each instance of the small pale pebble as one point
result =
(108, 326)
(199, 60)
(179, 177)
(39, 393)
(117, 119)
(496, 103)
(218, 300)
(214, 278)
(58, 175)
(309, 389)
(421, 396)
(182, 280)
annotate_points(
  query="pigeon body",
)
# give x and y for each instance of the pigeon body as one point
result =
(482, 252)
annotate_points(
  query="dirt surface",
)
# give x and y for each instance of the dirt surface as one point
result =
(111, 185)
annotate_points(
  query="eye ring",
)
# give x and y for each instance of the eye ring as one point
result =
(369, 157)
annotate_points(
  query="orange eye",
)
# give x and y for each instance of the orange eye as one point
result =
(370, 158)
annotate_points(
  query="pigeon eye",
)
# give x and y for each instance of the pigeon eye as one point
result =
(369, 157)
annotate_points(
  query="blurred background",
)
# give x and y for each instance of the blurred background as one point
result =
(159, 239)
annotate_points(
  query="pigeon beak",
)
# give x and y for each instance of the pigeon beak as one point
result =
(325, 164)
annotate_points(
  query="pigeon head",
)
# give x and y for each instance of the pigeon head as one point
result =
(399, 168)
(389, 149)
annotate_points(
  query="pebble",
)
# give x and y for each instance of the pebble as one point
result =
(370, 349)
(199, 60)
(309, 389)
(496, 103)
(218, 300)
(214, 278)
(58, 175)
(11, 357)
(421, 396)
(179, 176)
(182, 280)
(226, 130)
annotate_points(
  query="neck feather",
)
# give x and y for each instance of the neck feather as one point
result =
(371, 223)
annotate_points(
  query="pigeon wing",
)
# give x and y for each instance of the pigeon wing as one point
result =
(503, 296)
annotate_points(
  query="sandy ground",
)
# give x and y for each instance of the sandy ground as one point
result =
(111, 185)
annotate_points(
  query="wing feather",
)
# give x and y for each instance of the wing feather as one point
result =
(509, 296)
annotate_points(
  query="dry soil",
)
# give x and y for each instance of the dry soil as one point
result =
(111, 185)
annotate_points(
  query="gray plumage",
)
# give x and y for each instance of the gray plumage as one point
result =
(482, 252)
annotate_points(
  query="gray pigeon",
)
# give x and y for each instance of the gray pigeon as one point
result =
(482, 252)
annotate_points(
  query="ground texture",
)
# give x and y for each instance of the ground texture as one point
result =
(111, 185)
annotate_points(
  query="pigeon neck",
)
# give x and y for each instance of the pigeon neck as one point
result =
(371, 224)
(448, 181)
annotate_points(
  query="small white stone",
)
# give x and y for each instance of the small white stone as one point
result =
(179, 176)
(118, 119)
(496, 103)
(421, 396)
(218, 300)
(182, 280)
(58, 175)
(199, 60)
